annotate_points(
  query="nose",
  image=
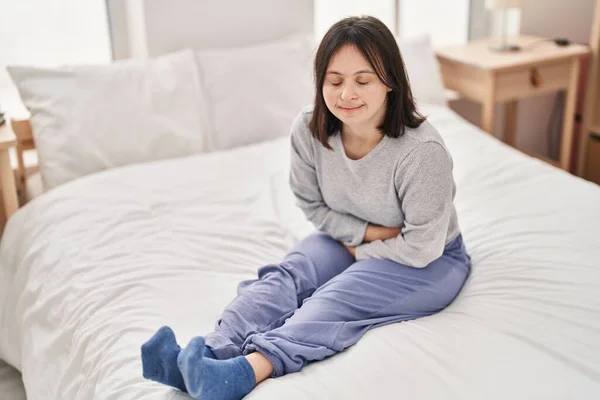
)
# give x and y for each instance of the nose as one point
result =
(348, 93)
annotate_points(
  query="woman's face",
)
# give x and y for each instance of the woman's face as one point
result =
(352, 90)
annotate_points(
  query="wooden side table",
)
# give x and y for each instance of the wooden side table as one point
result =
(485, 76)
(7, 177)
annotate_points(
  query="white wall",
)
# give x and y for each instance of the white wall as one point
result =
(49, 33)
(448, 25)
(136, 28)
(328, 12)
(119, 30)
(148, 28)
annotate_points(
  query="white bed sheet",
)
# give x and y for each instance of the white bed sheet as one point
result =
(89, 270)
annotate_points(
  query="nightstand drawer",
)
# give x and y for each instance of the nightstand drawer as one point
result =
(593, 160)
(531, 81)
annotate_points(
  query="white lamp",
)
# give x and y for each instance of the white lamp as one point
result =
(505, 23)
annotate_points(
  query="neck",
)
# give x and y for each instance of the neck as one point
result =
(358, 143)
(364, 134)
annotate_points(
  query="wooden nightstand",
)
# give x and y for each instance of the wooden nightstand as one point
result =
(7, 177)
(482, 75)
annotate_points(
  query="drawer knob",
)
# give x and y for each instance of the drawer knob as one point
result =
(535, 78)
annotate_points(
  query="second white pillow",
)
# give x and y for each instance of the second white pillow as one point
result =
(253, 93)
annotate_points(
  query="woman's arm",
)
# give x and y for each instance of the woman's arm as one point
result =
(426, 188)
(375, 232)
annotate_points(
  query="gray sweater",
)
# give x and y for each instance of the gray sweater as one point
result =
(405, 182)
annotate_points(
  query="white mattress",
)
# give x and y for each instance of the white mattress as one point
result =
(90, 270)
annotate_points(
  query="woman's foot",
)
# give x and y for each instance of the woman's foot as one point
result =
(214, 379)
(159, 359)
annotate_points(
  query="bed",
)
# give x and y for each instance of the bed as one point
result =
(93, 266)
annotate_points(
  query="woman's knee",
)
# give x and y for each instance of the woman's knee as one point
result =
(321, 249)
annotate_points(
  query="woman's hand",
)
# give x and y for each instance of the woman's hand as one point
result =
(375, 232)
(351, 250)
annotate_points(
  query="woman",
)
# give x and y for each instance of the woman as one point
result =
(376, 179)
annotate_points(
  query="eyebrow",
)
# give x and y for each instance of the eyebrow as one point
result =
(362, 71)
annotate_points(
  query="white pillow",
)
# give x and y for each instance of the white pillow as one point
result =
(423, 70)
(254, 92)
(90, 118)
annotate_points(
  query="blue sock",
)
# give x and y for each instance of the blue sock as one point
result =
(159, 359)
(208, 353)
(214, 379)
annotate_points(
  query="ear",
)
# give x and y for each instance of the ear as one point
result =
(389, 89)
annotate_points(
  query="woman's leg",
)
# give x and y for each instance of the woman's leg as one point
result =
(265, 303)
(262, 304)
(369, 294)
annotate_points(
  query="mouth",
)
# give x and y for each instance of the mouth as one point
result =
(350, 109)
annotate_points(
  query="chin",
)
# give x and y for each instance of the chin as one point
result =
(352, 119)
(350, 116)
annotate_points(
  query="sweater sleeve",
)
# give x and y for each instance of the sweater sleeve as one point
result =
(425, 189)
(305, 186)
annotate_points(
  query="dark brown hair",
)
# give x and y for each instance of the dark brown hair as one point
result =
(379, 47)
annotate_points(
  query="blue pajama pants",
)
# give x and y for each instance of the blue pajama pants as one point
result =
(320, 300)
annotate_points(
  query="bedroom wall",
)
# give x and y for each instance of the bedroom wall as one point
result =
(119, 34)
(147, 28)
(549, 18)
(327, 12)
(449, 25)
